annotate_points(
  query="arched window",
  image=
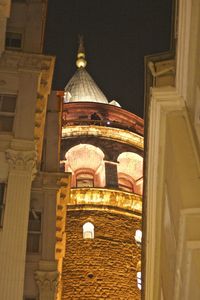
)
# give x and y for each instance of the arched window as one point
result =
(138, 237)
(88, 231)
(85, 180)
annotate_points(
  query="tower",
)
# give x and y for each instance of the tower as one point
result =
(102, 148)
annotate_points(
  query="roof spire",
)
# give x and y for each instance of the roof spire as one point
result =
(81, 62)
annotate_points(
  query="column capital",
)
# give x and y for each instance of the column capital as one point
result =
(22, 160)
(47, 282)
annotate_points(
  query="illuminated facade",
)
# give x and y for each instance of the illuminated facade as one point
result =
(172, 197)
(76, 244)
(102, 148)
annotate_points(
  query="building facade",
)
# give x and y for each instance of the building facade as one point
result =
(71, 178)
(172, 185)
(29, 192)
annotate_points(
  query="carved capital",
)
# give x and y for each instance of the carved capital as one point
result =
(22, 160)
(47, 282)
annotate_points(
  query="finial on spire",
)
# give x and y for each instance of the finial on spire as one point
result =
(81, 62)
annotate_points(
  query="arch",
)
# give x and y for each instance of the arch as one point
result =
(130, 168)
(86, 163)
(88, 230)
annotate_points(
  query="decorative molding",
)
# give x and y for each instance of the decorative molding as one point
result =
(22, 160)
(111, 197)
(47, 282)
(26, 61)
(116, 134)
(51, 180)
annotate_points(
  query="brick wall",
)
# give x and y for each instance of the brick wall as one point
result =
(104, 267)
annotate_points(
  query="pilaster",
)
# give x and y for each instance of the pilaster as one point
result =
(47, 280)
(14, 232)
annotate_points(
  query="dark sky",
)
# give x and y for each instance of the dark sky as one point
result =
(117, 34)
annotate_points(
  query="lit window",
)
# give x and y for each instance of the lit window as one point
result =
(13, 40)
(7, 112)
(34, 232)
(88, 231)
(138, 237)
(139, 280)
(2, 202)
(85, 180)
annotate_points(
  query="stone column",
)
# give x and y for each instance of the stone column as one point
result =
(47, 280)
(15, 223)
(111, 174)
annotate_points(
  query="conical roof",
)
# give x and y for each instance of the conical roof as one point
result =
(81, 86)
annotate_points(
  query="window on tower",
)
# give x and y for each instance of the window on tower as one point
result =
(139, 275)
(138, 237)
(88, 231)
(34, 232)
(2, 202)
(139, 280)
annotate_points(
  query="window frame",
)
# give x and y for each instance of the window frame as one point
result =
(91, 231)
(10, 31)
(35, 233)
(8, 114)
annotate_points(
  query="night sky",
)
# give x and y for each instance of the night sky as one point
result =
(117, 35)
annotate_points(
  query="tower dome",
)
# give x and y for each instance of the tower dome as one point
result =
(81, 87)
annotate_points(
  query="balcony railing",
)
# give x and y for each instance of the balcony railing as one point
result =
(107, 123)
(107, 197)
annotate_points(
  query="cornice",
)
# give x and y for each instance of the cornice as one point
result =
(51, 180)
(15, 61)
(123, 136)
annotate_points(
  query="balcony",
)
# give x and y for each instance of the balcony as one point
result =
(106, 197)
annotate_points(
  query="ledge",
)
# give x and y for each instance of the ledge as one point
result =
(106, 197)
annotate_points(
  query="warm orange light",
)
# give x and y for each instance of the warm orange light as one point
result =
(110, 197)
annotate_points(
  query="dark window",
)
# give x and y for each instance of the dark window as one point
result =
(7, 111)
(2, 202)
(13, 40)
(34, 232)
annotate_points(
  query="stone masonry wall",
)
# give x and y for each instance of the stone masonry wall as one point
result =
(103, 267)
